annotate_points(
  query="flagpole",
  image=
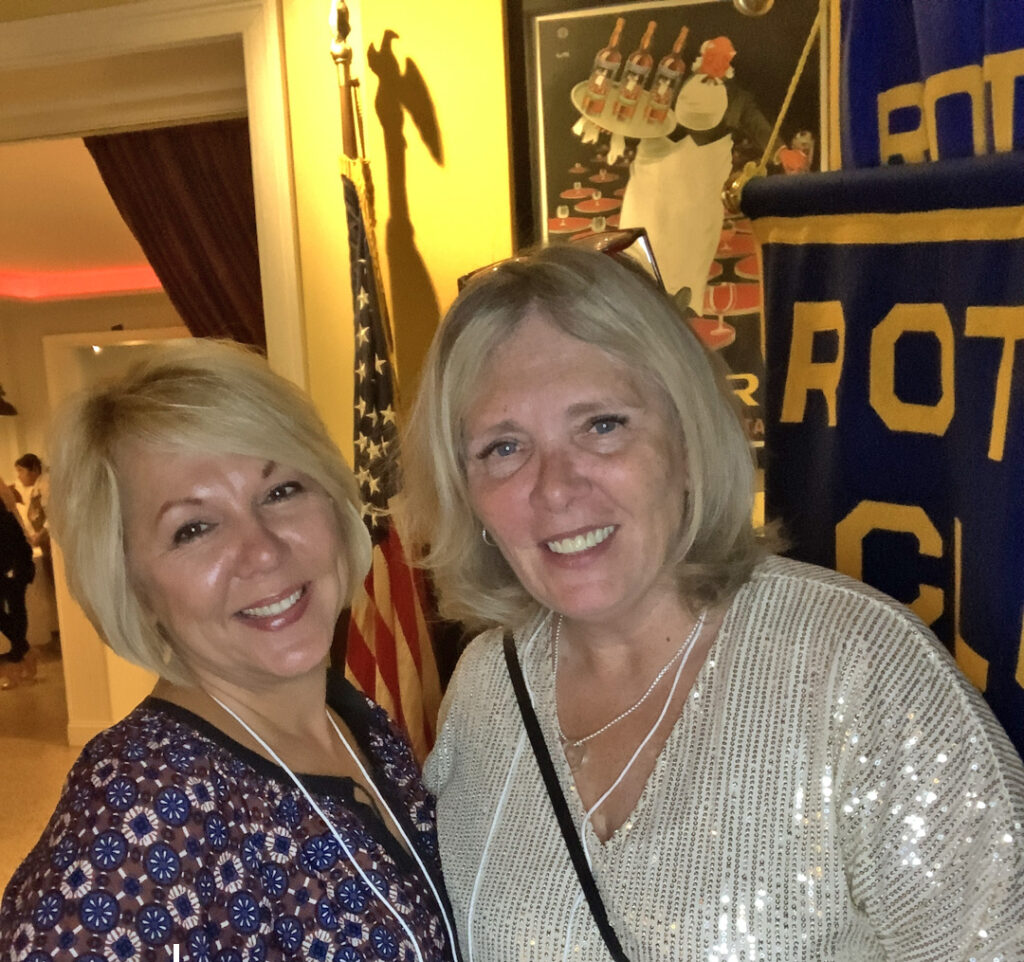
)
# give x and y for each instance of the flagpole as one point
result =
(355, 166)
(341, 53)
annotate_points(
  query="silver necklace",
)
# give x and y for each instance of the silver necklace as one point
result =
(574, 749)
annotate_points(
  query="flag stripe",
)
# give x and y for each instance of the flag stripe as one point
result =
(389, 654)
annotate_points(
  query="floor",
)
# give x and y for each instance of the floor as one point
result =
(35, 758)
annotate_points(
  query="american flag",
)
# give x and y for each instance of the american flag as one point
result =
(389, 655)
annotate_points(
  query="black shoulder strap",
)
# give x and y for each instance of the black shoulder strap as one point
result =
(558, 802)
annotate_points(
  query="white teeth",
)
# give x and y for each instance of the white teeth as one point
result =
(581, 542)
(265, 611)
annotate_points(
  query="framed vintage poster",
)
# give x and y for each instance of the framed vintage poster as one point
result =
(638, 114)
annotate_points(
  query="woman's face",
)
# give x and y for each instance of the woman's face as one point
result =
(576, 468)
(238, 558)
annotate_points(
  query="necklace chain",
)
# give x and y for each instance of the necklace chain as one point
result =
(574, 743)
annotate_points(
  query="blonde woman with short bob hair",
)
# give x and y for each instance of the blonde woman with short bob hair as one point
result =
(255, 805)
(197, 395)
(740, 744)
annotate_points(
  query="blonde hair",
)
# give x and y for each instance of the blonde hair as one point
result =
(611, 303)
(199, 396)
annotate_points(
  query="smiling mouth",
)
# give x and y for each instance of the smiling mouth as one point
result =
(277, 608)
(581, 542)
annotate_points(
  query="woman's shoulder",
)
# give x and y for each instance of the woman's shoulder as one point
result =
(150, 737)
(157, 744)
(832, 623)
(824, 593)
(119, 796)
(476, 706)
(840, 628)
(482, 663)
(483, 654)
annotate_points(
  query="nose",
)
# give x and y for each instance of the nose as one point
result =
(559, 480)
(260, 548)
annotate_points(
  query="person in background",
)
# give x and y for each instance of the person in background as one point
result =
(756, 758)
(17, 570)
(254, 806)
(35, 493)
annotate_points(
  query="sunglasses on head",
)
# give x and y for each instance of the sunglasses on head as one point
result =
(625, 240)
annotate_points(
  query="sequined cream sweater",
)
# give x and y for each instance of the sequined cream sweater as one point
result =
(833, 791)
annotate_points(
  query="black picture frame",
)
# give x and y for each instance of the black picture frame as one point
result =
(768, 47)
(552, 44)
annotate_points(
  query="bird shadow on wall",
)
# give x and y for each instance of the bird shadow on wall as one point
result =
(414, 306)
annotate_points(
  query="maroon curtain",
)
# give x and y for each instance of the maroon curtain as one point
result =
(186, 194)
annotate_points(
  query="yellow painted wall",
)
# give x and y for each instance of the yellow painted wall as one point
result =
(320, 210)
(459, 205)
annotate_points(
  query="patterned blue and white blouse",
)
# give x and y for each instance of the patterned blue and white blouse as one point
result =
(171, 840)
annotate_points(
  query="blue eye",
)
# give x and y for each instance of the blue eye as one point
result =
(606, 423)
(189, 532)
(501, 448)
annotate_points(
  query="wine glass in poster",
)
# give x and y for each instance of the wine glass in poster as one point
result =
(641, 113)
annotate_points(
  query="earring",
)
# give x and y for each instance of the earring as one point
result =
(488, 540)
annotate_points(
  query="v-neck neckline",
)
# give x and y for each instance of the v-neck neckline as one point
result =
(545, 689)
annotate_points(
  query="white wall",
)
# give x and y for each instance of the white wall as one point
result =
(23, 324)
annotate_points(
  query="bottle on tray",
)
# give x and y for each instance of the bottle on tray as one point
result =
(634, 76)
(604, 73)
(668, 78)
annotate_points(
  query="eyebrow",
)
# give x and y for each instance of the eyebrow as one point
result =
(603, 405)
(500, 428)
(180, 502)
(268, 470)
(581, 408)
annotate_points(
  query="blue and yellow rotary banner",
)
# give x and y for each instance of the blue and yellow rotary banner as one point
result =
(930, 79)
(894, 402)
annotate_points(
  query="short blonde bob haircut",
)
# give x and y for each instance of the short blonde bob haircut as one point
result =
(198, 397)
(611, 303)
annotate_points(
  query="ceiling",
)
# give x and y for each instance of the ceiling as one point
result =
(60, 233)
(55, 212)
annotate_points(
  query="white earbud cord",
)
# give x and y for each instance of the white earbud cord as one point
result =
(337, 835)
(690, 642)
(412, 848)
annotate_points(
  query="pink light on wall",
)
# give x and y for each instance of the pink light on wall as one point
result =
(64, 285)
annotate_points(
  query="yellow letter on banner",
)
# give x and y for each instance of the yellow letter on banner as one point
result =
(973, 665)
(960, 81)
(901, 415)
(1020, 654)
(871, 516)
(909, 146)
(1006, 323)
(1002, 71)
(804, 374)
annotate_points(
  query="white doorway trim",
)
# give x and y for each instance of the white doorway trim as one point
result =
(99, 687)
(62, 41)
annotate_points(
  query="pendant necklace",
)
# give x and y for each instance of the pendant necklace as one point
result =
(575, 749)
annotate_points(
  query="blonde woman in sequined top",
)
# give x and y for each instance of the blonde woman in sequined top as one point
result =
(764, 760)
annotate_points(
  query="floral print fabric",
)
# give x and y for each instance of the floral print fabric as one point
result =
(171, 838)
